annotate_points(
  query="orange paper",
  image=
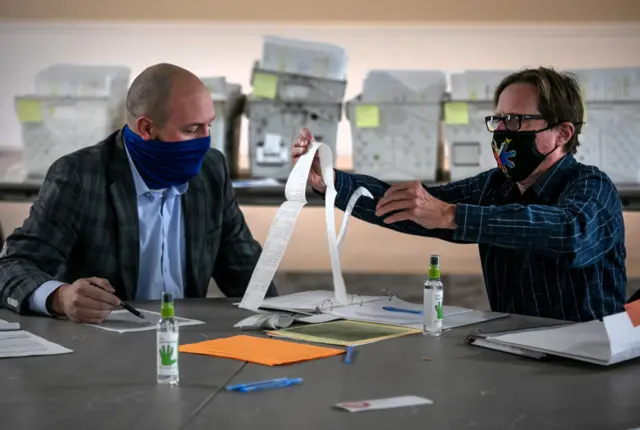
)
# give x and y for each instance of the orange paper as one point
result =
(270, 352)
(633, 310)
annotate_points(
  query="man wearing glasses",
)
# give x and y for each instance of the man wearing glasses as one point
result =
(550, 230)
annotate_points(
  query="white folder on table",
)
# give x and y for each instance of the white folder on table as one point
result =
(612, 340)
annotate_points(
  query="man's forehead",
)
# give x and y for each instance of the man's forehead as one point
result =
(518, 99)
(193, 106)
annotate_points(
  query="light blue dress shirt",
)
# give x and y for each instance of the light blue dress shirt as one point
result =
(162, 245)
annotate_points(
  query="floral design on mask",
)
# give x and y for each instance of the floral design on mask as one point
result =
(502, 156)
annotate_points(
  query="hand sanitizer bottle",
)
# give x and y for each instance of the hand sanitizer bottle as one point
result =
(433, 295)
(167, 343)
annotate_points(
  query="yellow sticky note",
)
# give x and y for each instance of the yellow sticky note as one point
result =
(367, 116)
(29, 111)
(265, 85)
(456, 113)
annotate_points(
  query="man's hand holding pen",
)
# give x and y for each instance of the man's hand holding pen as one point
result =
(87, 300)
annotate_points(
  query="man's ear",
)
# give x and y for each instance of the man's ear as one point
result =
(565, 133)
(145, 128)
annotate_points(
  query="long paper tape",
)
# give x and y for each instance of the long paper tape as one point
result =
(282, 226)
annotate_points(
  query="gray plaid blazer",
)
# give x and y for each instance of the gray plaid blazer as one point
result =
(84, 223)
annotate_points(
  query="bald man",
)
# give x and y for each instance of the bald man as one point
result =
(149, 209)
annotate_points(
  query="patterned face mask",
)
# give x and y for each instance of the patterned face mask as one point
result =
(516, 152)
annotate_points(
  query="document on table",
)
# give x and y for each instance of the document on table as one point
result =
(313, 301)
(606, 342)
(284, 222)
(122, 321)
(20, 343)
(391, 402)
(373, 311)
(7, 326)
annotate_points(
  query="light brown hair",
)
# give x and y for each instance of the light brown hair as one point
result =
(559, 97)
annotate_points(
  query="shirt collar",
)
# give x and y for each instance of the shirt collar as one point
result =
(549, 182)
(141, 186)
(552, 180)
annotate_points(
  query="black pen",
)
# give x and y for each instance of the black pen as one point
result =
(125, 306)
(132, 309)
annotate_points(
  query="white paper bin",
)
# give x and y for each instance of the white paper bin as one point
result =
(55, 126)
(273, 126)
(395, 141)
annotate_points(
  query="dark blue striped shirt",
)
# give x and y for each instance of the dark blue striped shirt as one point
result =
(556, 251)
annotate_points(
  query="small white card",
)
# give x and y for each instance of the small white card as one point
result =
(391, 402)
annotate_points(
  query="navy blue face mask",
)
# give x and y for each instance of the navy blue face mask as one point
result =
(165, 164)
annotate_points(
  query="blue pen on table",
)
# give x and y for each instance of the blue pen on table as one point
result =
(408, 311)
(264, 385)
(350, 355)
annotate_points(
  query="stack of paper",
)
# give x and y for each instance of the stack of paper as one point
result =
(612, 340)
(15, 342)
(312, 301)
(372, 309)
(20, 343)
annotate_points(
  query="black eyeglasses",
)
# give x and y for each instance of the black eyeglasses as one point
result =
(511, 122)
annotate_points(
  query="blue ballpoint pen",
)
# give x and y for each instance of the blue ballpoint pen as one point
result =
(288, 383)
(408, 311)
(350, 355)
(239, 387)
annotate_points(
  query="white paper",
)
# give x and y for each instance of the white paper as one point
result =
(361, 191)
(391, 402)
(305, 301)
(284, 222)
(373, 311)
(123, 321)
(316, 319)
(314, 301)
(624, 338)
(610, 341)
(8, 326)
(370, 309)
(265, 320)
(21, 343)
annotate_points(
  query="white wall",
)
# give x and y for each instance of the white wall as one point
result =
(216, 49)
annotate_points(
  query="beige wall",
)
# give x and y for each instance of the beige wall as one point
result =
(328, 10)
(385, 251)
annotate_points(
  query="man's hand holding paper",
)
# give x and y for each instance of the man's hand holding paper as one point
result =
(300, 147)
(410, 201)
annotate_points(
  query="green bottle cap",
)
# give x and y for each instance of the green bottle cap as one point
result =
(167, 310)
(434, 266)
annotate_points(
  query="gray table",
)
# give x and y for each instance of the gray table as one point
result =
(109, 382)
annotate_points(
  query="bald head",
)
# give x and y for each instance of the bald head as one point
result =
(167, 99)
